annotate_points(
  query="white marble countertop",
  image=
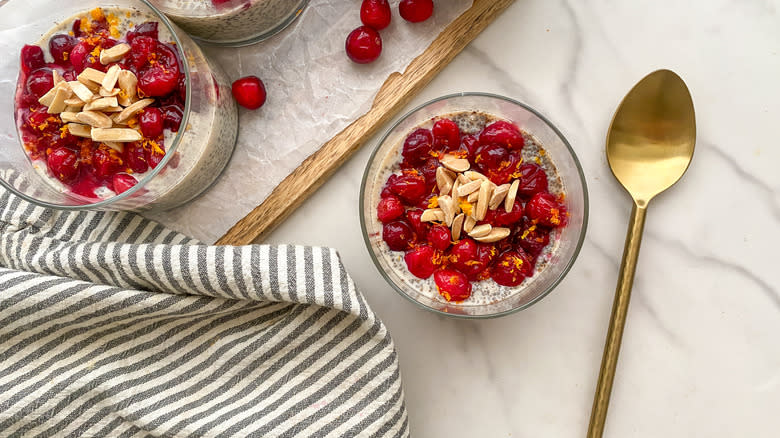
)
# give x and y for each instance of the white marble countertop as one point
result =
(700, 355)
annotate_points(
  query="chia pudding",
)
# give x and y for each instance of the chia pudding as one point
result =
(432, 233)
(231, 22)
(100, 106)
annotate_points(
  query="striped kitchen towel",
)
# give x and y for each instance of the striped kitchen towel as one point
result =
(112, 325)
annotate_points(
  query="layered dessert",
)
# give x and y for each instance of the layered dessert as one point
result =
(231, 21)
(102, 98)
(470, 208)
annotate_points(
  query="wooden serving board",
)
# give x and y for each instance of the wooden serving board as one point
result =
(396, 92)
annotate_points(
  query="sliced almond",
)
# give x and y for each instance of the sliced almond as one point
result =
(111, 93)
(469, 188)
(73, 108)
(81, 91)
(101, 104)
(112, 75)
(58, 103)
(473, 174)
(455, 164)
(495, 235)
(119, 147)
(480, 230)
(68, 117)
(74, 101)
(482, 201)
(91, 75)
(511, 195)
(447, 206)
(94, 118)
(468, 224)
(113, 54)
(113, 109)
(457, 226)
(432, 215)
(79, 130)
(56, 77)
(127, 84)
(48, 97)
(473, 197)
(463, 180)
(122, 135)
(133, 109)
(499, 193)
(444, 179)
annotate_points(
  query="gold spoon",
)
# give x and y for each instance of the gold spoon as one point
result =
(649, 147)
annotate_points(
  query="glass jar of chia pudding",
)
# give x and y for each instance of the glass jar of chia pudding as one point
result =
(232, 22)
(107, 105)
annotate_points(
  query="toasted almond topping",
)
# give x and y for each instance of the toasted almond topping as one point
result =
(444, 179)
(113, 109)
(455, 164)
(468, 224)
(454, 191)
(57, 77)
(469, 188)
(68, 116)
(94, 118)
(133, 109)
(511, 195)
(432, 215)
(101, 104)
(113, 54)
(499, 193)
(73, 108)
(480, 230)
(92, 86)
(495, 235)
(74, 101)
(47, 98)
(482, 201)
(58, 103)
(90, 75)
(127, 83)
(473, 197)
(457, 226)
(119, 147)
(463, 180)
(123, 135)
(112, 75)
(473, 174)
(447, 206)
(79, 130)
(81, 91)
(111, 93)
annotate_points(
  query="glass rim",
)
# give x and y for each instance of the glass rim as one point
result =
(170, 151)
(569, 263)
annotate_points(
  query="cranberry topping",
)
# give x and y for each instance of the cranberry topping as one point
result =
(147, 29)
(446, 134)
(122, 182)
(422, 261)
(78, 55)
(410, 186)
(452, 285)
(398, 235)
(363, 45)
(249, 92)
(389, 208)
(40, 82)
(439, 237)
(135, 157)
(375, 13)
(504, 219)
(503, 133)
(151, 122)
(60, 46)
(413, 216)
(544, 209)
(106, 162)
(63, 163)
(511, 268)
(532, 180)
(31, 58)
(415, 11)
(162, 77)
(418, 146)
(533, 238)
(172, 116)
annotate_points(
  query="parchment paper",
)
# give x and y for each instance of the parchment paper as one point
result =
(314, 91)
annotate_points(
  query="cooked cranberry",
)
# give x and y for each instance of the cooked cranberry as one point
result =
(181, 87)
(463, 251)
(106, 162)
(477, 268)
(439, 236)
(507, 170)
(415, 11)
(76, 28)
(375, 13)
(154, 155)
(470, 143)
(249, 92)
(135, 157)
(532, 180)
(172, 116)
(60, 46)
(502, 218)
(398, 235)
(512, 267)
(148, 29)
(158, 80)
(532, 237)
(389, 208)
(428, 170)
(122, 181)
(363, 45)
(413, 216)
(140, 49)
(218, 2)
(490, 157)
(78, 55)
(63, 163)
(504, 133)
(70, 75)
(410, 186)
(151, 122)
(446, 134)
(453, 285)
(422, 261)
(544, 209)
(40, 82)
(31, 58)
(417, 146)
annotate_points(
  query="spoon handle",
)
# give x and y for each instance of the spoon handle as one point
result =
(617, 321)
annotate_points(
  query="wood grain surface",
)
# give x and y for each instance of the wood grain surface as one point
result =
(396, 92)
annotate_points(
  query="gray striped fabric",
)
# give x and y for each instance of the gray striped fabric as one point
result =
(112, 325)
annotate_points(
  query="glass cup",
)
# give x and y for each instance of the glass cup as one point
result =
(193, 160)
(534, 288)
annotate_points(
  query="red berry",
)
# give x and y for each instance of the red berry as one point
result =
(40, 82)
(439, 236)
(78, 55)
(463, 251)
(532, 180)
(417, 146)
(470, 143)
(63, 163)
(490, 157)
(31, 58)
(148, 29)
(446, 134)
(503, 219)
(249, 92)
(375, 13)
(140, 48)
(151, 122)
(413, 216)
(154, 155)
(410, 186)
(135, 157)
(105, 162)
(389, 208)
(507, 169)
(511, 268)
(415, 11)
(453, 285)
(428, 171)
(398, 235)
(503, 133)
(218, 2)
(544, 209)
(476, 268)
(172, 115)
(421, 261)
(60, 46)
(532, 237)
(123, 182)
(159, 79)
(363, 45)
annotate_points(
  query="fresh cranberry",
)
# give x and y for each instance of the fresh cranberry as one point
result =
(413, 216)
(363, 45)
(415, 11)
(162, 77)
(78, 55)
(389, 208)
(63, 163)
(398, 235)
(446, 134)
(439, 236)
(172, 116)
(154, 155)
(106, 162)
(122, 182)
(470, 144)
(141, 47)
(147, 29)
(490, 157)
(410, 186)
(60, 46)
(40, 82)
(151, 122)
(504, 219)
(532, 180)
(507, 169)
(417, 146)
(135, 157)
(249, 92)
(512, 267)
(375, 13)
(421, 261)
(463, 251)
(453, 285)
(476, 268)
(533, 238)
(31, 58)
(503, 133)
(428, 170)
(544, 209)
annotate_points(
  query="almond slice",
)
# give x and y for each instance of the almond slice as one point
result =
(127, 84)
(447, 206)
(511, 195)
(455, 164)
(113, 54)
(432, 215)
(111, 93)
(119, 147)
(495, 235)
(444, 180)
(473, 197)
(112, 75)
(113, 109)
(123, 135)
(101, 104)
(79, 130)
(73, 108)
(133, 109)
(469, 188)
(468, 224)
(74, 101)
(454, 191)
(482, 201)
(91, 75)
(56, 77)
(48, 97)
(499, 193)
(463, 180)
(94, 118)
(58, 104)
(457, 226)
(480, 230)
(473, 174)
(81, 91)
(68, 117)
